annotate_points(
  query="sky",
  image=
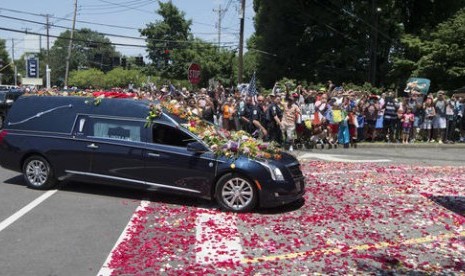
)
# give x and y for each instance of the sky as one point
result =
(120, 17)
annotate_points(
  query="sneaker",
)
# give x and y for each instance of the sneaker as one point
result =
(440, 142)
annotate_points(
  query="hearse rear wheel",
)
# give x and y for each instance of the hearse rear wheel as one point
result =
(236, 193)
(38, 173)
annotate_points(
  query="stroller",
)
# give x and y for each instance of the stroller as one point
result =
(312, 133)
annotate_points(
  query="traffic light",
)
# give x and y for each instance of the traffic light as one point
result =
(115, 61)
(139, 61)
(166, 56)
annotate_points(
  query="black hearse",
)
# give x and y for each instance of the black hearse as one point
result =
(56, 138)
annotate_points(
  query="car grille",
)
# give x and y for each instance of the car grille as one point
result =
(295, 171)
(297, 176)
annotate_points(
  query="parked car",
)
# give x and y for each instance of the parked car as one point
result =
(56, 138)
(7, 97)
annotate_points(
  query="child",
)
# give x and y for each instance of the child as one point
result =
(407, 122)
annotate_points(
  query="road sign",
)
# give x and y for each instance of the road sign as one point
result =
(32, 69)
(193, 73)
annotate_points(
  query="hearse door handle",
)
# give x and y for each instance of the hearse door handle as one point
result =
(92, 146)
(152, 154)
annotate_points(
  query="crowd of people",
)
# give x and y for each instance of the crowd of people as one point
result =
(327, 117)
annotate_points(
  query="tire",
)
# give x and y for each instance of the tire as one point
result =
(236, 193)
(38, 173)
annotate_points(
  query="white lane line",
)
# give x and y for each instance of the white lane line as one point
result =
(105, 270)
(338, 158)
(10, 220)
(217, 238)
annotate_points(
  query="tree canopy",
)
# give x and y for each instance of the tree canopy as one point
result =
(90, 50)
(6, 69)
(172, 48)
(354, 41)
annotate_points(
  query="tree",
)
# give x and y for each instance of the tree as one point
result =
(439, 56)
(6, 68)
(342, 40)
(165, 37)
(90, 50)
(119, 77)
(172, 48)
(87, 78)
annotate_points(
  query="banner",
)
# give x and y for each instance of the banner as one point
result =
(418, 84)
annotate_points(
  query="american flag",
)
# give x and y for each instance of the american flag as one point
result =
(252, 89)
(172, 90)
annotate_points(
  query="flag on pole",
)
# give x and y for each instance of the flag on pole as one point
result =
(252, 89)
(172, 90)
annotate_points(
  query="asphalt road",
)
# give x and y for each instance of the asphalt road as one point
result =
(365, 210)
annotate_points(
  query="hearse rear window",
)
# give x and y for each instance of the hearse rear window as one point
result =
(115, 129)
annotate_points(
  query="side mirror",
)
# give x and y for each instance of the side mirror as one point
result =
(196, 147)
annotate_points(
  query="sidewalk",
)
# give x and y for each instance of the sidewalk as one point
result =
(419, 145)
(411, 145)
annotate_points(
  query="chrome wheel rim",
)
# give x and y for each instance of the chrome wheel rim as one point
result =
(36, 172)
(237, 193)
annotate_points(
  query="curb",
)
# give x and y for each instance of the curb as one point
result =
(415, 145)
(380, 145)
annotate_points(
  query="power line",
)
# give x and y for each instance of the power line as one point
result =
(108, 43)
(67, 19)
(105, 34)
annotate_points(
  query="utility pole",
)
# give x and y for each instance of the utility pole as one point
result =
(68, 57)
(13, 59)
(220, 18)
(375, 10)
(47, 69)
(240, 67)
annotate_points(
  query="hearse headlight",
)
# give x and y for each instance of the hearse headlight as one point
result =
(274, 171)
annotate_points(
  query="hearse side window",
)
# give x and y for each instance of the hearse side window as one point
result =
(116, 129)
(168, 135)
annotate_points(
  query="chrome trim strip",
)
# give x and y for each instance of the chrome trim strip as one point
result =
(133, 180)
(40, 114)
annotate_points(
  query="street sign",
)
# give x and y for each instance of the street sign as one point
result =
(32, 69)
(193, 73)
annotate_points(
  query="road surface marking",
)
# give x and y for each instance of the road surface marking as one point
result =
(361, 247)
(105, 270)
(217, 238)
(7, 222)
(339, 158)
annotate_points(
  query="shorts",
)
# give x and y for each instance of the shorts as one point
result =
(334, 128)
(380, 122)
(371, 123)
(427, 124)
(289, 130)
(439, 122)
(406, 130)
(416, 122)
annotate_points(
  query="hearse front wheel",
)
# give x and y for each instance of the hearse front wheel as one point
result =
(236, 193)
(38, 173)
